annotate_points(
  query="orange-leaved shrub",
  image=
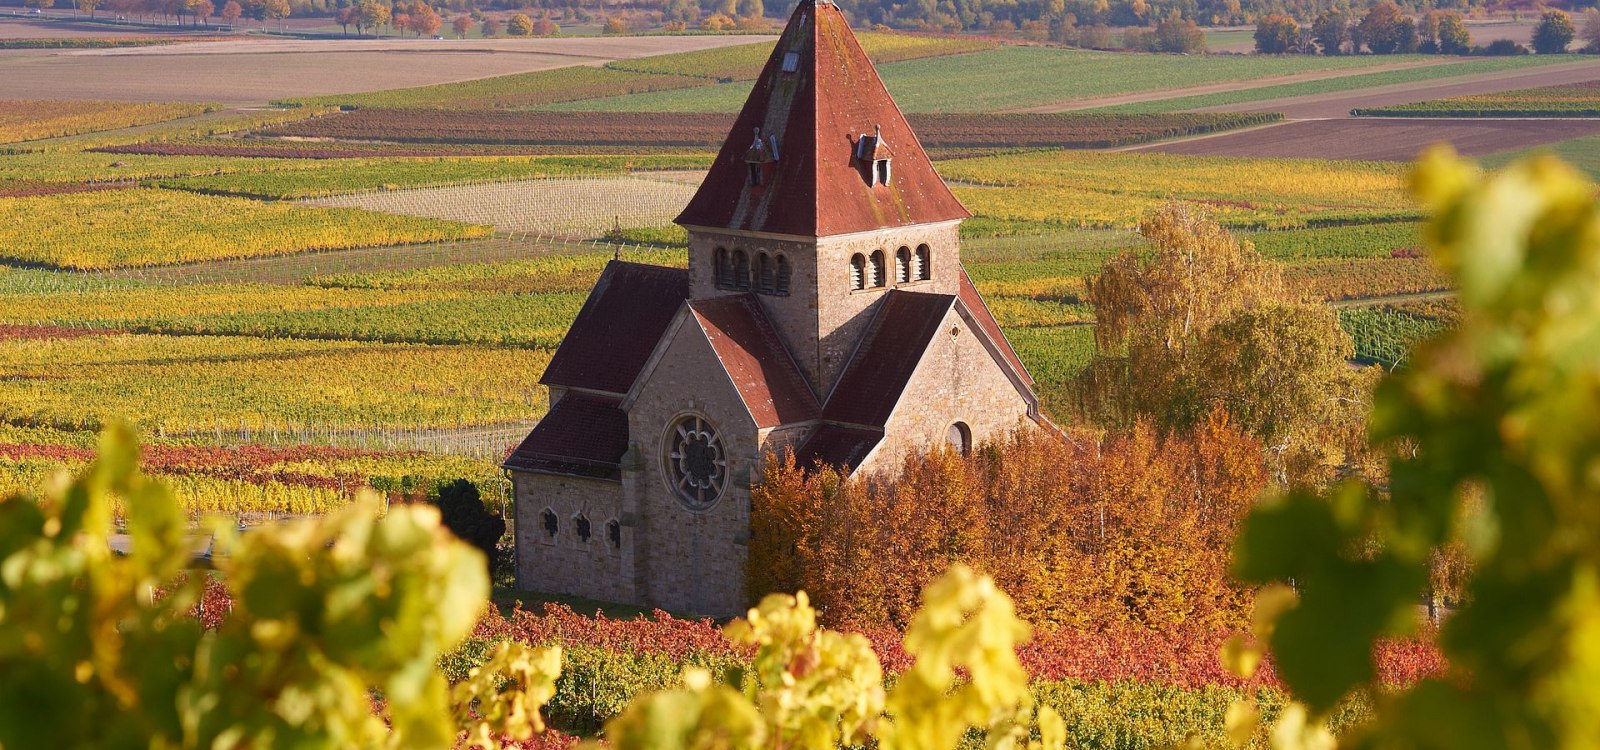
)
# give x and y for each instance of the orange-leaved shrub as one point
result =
(1084, 529)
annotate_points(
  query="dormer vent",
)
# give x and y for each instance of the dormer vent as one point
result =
(872, 157)
(762, 152)
(791, 61)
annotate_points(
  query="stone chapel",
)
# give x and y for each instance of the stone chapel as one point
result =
(824, 310)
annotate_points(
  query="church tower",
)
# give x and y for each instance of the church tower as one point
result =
(821, 199)
(824, 312)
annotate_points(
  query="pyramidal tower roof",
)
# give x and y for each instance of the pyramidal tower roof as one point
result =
(806, 155)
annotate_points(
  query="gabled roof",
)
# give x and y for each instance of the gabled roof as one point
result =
(583, 435)
(814, 116)
(837, 445)
(893, 344)
(757, 362)
(625, 315)
(985, 320)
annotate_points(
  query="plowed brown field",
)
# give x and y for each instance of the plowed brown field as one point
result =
(1381, 139)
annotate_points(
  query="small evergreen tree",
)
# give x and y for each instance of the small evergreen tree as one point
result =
(462, 512)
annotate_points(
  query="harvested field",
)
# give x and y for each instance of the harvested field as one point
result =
(585, 207)
(291, 149)
(1384, 140)
(708, 129)
(258, 71)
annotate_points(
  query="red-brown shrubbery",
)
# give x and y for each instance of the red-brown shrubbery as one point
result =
(1083, 530)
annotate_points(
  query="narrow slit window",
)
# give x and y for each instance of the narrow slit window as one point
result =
(581, 524)
(902, 265)
(721, 270)
(924, 263)
(858, 272)
(755, 172)
(876, 279)
(781, 288)
(766, 274)
(614, 534)
(551, 524)
(741, 272)
(883, 171)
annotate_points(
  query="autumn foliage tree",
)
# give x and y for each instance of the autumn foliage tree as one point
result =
(1203, 324)
(1085, 530)
(1277, 34)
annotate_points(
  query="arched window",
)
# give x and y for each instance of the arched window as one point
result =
(858, 272)
(766, 275)
(960, 437)
(551, 524)
(614, 534)
(781, 288)
(902, 265)
(877, 276)
(581, 524)
(741, 272)
(924, 270)
(723, 272)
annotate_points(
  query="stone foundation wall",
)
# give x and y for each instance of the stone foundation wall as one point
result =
(564, 563)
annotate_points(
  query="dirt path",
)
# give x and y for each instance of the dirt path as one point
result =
(1339, 103)
(254, 72)
(1217, 88)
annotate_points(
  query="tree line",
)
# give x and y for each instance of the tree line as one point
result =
(1386, 29)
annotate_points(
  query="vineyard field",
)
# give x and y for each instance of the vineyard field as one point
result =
(1384, 335)
(120, 228)
(707, 130)
(1380, 240)
(334, 177)
(170, 385)
(1576, 100)
(27, 120)
(517, 91)
(1114, 190)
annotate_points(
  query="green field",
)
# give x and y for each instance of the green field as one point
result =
(1457, 67)
(1583, 153)
(1012, 78)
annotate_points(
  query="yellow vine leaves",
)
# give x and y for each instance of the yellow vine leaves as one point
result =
(1500, 416)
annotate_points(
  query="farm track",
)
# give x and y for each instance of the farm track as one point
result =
(1218, 88)
(1338, 104)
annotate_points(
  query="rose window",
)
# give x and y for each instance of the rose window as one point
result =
(696, 465)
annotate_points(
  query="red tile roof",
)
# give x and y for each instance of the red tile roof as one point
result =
(583, 435)
(755, 358)
(836, 445)
(625, 315)
(985, 319)
(816, 114)
(887, 356)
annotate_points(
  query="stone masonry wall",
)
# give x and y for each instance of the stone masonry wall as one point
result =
(691, 561)
(957, 380)
(564, 563)
(843, 315)
(822, 319)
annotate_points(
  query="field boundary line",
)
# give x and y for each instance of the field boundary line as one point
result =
(1197, 137)
(1139, 97)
